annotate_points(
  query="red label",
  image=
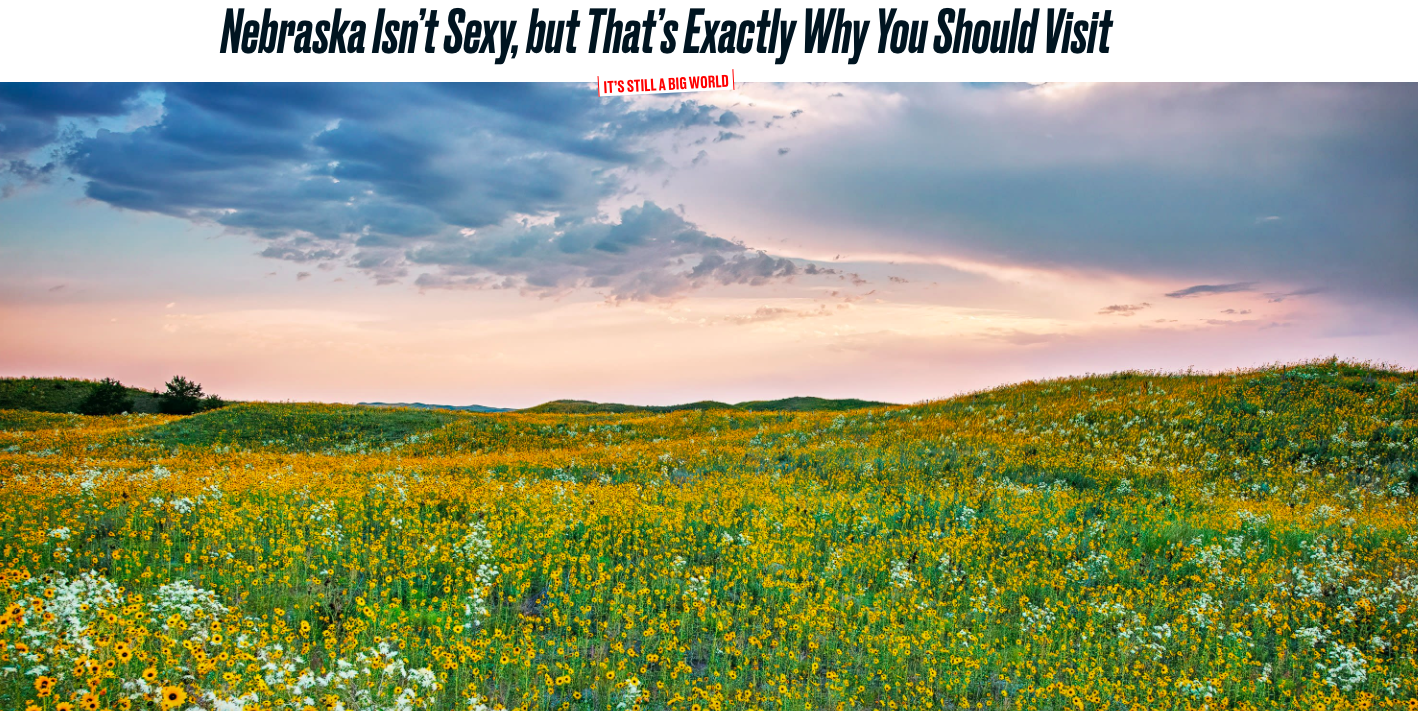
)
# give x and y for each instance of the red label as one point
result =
(630, 86)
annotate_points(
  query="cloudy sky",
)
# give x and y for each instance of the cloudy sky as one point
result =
(507, 244)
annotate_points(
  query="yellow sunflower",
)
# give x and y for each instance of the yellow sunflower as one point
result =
(173, 696)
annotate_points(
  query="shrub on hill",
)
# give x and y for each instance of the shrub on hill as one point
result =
(106, 397)
(185, 397)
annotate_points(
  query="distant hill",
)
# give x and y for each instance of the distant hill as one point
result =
(808, 403)
(60, 395)
(426, 406)
(788, 404)
(65, 394)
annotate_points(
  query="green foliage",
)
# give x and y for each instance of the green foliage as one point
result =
(185, 397)
(29, 420)
(807, 404)
(584, 407)
(106, 397)
(62, 395)
(299, 427)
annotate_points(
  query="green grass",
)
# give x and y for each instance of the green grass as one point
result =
(578, 407)
(64, 395)
(788, 404)
(807, 404)
(299, 427)
(60, 395)
(27, 421)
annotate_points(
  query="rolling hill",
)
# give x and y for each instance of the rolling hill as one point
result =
(1174, 541)
(426, 406)
(61, 395)
(789, 404)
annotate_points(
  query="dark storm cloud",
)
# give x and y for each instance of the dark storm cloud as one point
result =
(30, 114)
(333, 163)
(385, 176)
(21, 134)
(32, 117)
(53, 100)
(650, 253)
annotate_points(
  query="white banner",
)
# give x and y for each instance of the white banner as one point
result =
(335, 40)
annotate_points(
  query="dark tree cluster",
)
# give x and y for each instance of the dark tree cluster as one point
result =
(181, 397)
(185, 397)
(107, 397)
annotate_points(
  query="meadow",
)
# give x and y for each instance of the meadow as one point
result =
(1241, 540)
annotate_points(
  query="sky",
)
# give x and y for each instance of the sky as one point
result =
(509, 244)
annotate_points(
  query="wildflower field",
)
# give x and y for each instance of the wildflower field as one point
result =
(1242, 540)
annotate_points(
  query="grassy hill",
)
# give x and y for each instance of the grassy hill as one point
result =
(807, 404)
(60, 395)
(426, 406)
(790, 404)
(298, 427)
(1182, 541)
(65, 394)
